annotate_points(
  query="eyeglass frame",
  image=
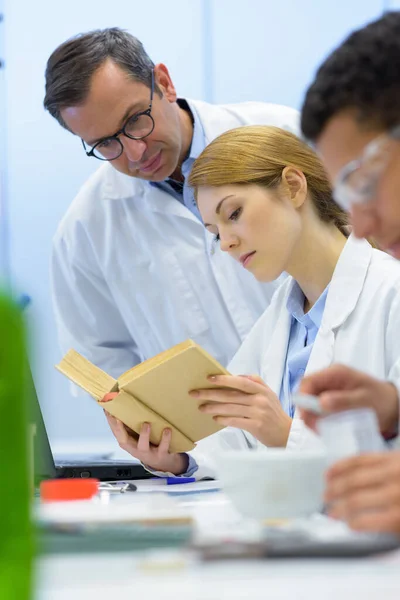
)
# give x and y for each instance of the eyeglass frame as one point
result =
(343, 193)
(122, 131)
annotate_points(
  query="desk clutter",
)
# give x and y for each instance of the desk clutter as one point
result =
(207, 525)
(112, 521)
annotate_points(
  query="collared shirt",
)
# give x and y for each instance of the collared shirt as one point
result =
(181, 190)
(303, 331)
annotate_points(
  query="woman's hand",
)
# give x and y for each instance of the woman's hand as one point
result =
(247, 404)
(364, 491)
(158, 458)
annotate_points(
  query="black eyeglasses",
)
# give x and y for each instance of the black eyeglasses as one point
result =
(136, 127)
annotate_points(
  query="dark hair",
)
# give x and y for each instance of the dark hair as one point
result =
(72, 65)
(362, 74)
(257, 154)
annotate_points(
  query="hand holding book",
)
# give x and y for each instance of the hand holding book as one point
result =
(157, 391)
(246, 402)
(158, 458)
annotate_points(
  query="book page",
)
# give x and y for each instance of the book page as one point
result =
(85, 374)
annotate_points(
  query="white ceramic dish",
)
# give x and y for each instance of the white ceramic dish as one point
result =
(275, 483)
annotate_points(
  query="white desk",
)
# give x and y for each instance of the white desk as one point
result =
(114, 576)
(110, 576)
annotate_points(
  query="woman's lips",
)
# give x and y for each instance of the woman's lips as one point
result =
(246, 258)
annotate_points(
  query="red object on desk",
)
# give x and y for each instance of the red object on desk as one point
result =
(60, 490)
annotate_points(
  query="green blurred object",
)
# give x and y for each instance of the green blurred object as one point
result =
(16, 539)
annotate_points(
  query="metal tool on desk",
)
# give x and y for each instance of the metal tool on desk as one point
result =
(117, 487)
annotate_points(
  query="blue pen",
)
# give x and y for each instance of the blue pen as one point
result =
(176, 480)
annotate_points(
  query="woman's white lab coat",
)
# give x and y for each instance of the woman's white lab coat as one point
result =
(360, 328)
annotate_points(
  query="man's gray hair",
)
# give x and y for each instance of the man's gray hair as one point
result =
(72, 65)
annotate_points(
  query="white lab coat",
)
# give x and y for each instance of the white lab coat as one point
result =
(135, 272)
(360, 328)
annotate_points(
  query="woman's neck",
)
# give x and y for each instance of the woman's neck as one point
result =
(314, 260)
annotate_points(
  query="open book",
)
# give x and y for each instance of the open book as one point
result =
(156, 391)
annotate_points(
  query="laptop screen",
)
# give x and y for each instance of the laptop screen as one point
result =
(43, 462)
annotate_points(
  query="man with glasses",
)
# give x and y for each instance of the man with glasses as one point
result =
(136, 127)
(133, 269)
(352, 114)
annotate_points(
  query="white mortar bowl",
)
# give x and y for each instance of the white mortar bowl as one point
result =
(275, 483)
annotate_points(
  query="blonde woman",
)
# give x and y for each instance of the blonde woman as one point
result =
(264, 195)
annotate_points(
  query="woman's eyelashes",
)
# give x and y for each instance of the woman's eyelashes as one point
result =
(235, 215)
(232, 217)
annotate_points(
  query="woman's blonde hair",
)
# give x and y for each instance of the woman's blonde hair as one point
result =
(258, 155)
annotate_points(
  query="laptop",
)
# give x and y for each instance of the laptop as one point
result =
(45, 466)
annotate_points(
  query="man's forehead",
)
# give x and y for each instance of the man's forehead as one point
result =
(92, 123)
(113, 96)
(110, 76)
(342, 140)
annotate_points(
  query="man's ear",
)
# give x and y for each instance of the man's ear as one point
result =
(295, 184)
(164, 83)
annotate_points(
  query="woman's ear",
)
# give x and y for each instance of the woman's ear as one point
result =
(295, 184)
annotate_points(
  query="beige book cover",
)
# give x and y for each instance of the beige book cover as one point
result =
(156, 391)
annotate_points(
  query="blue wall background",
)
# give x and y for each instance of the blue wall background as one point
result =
(216, 50)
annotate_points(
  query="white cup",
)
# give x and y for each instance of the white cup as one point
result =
(273, 484)
(350, 432)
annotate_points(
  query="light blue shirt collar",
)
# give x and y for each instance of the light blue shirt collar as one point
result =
(295, 306)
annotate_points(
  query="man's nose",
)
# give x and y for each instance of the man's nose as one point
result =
(133, 149)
